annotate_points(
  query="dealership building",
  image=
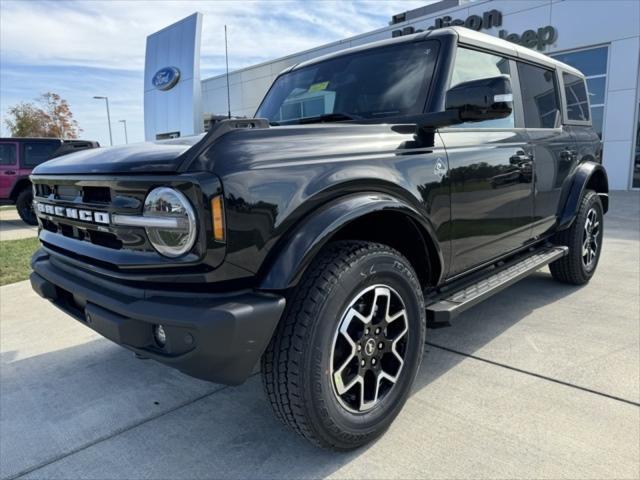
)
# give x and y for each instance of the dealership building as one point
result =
(600, 38)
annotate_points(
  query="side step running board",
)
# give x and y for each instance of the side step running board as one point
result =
(447, 308)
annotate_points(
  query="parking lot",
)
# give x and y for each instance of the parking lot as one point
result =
(541, 381)
(12, 227)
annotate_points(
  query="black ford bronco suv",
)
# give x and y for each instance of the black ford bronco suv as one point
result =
(380, 189)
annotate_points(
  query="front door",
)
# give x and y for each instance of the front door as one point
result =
(490, 174)
(8, 168)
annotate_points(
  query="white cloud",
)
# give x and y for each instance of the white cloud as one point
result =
(85, 48)
(112, 34)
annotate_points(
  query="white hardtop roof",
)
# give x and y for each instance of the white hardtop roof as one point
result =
(466, 36)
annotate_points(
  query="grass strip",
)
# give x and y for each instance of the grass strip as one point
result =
(15, 257)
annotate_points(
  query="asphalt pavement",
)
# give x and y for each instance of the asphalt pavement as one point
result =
(540, 381)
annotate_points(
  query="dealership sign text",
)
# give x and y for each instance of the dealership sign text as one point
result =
(538, 38)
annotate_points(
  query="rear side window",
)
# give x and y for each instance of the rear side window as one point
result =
(37, 152)
(539, 96)
(577, 101)
(7, 154)
(473, 65)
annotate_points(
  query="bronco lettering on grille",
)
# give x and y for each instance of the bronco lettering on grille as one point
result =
(74, 213)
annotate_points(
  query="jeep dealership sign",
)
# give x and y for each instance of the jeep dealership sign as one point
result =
(538, 38)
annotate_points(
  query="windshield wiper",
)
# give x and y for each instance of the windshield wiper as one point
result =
(329, 117)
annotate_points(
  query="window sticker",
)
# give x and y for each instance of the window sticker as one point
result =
(317, 87)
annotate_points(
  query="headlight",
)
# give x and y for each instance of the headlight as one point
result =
(170, 222)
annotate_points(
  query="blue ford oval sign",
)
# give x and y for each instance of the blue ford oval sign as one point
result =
(166, 78)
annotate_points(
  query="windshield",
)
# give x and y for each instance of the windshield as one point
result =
(382, 82)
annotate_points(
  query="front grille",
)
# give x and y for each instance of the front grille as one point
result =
(96, 195)
(67, 192)
(43, 191)
(76, 219)
(93, 196)
(73, 193)
(105, 239)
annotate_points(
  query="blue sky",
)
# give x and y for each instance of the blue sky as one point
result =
(79, 49)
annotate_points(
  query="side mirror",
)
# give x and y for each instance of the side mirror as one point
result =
(482, 99)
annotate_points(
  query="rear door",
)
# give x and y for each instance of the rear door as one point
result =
(491, 188)
(551, 145)
(8, 167)
(578, 121)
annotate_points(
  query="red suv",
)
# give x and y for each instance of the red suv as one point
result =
(18, 156)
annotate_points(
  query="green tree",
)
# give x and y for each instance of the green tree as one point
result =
(26, 120)
(50, 116)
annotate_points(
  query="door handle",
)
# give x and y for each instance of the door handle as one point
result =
(9, 172)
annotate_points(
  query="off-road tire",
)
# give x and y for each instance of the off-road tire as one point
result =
(571, 268)
(24, 205)
(296, 365)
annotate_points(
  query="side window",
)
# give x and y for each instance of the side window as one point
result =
(7, 154)
(576, 92)
(539, 96)
(473, 65)
(37, 152)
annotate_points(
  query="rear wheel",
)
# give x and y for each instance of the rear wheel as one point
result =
(24, 205)
(584, 239)
(342, 361)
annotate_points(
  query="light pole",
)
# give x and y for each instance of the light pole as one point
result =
(124, 122)
(226, 59)
(106, 99)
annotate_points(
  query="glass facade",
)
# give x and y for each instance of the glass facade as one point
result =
(593, 63)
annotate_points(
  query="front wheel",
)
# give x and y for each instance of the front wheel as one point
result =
(344, 357)
(24, 205)
(584, 239)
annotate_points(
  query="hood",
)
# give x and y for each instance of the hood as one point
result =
(147, 157)
(295, 145)
(226, 149)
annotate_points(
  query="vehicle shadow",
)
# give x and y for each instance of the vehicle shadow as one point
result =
(479, 326)
(11, 225)
(94, 410)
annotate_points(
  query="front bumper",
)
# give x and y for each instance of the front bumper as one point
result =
(215, 337)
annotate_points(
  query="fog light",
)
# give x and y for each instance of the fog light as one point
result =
(160, 335)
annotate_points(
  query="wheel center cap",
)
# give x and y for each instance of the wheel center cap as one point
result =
(370, 347)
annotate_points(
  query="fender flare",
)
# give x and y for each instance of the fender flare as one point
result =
(19, 185)
(582, 177)
(295, 254)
